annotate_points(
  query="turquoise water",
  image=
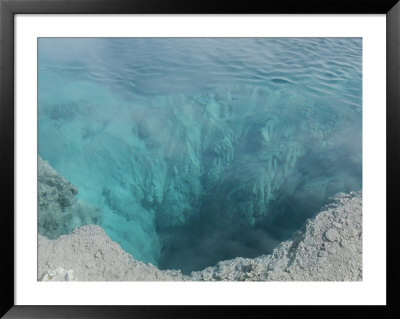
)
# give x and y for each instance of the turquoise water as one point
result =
(202, 149)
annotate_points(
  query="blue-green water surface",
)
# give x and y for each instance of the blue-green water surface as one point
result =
(202, 149)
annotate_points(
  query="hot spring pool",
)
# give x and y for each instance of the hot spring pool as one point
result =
(198, 150)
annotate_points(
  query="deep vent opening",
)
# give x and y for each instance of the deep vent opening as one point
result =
(209, 235)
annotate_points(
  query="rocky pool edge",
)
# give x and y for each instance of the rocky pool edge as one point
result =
(327, 248)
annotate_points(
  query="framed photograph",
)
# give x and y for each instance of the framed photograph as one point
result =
(160, 154)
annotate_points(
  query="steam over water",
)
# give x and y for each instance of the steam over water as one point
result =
(202, 149)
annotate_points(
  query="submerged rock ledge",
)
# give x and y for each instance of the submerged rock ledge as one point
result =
(327, 248)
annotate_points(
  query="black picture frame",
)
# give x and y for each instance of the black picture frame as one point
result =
(8, 8)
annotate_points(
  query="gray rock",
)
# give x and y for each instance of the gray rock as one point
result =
(332, 234)
(52, 187)
(59, 212)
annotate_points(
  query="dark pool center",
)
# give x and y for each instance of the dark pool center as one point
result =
(202, 150)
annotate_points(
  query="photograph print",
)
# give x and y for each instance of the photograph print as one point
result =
(199, 159)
